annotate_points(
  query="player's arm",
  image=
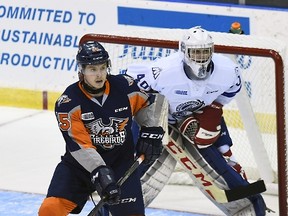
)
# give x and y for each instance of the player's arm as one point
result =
(146, 112)
(232, 89)
(80, 146)
(142, 74)
(77, 139)
(152, 122)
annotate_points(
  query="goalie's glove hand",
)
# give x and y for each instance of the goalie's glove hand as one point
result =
(204, 127)
(209, 119)
(104, 180)
(150, 143)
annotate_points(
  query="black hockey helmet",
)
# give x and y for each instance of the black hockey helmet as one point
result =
(92, 52)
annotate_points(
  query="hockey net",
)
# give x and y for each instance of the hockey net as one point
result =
(256, 118)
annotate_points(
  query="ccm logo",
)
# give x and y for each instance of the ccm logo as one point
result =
(151, 136)
(188, 164)
(127, 200)
(121, 109)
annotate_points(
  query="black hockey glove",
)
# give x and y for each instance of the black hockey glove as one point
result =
(150, 143)
(104, 180)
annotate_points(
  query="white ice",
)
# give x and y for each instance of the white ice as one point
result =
(30, 148)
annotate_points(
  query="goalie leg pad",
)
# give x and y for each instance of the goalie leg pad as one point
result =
(156, 176)
(254, 204)
(232, 178)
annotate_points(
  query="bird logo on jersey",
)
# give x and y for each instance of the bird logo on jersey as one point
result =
(63, 99)
(108, 135)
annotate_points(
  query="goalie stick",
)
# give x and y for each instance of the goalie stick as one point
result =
(127, 174)
(204, 180)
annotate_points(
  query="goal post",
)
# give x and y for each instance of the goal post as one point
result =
(256, 119)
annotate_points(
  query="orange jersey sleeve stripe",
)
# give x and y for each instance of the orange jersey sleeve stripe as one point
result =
(137, 101)
(78, 131)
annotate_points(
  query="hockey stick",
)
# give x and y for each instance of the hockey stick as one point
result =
(203, 180)
(127, 174)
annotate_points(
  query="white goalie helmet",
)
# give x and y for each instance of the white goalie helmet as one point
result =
(197, 46)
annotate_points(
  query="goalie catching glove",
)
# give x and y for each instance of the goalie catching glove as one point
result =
(104, 180)
(150, 143)
(204, 127)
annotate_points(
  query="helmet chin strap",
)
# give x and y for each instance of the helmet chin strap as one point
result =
(92, 90)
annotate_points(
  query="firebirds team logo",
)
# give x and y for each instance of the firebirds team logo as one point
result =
(109, 135)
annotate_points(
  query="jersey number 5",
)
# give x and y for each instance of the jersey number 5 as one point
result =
(64, 121)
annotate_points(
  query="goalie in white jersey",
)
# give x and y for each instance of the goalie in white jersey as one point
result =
(197, 83)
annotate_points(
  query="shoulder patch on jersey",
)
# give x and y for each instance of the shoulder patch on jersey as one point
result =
(63, 99)
(181, 92)
(87, 116)
(129, 79)
(156, 72)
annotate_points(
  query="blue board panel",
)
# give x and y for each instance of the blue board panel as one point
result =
(174, 19)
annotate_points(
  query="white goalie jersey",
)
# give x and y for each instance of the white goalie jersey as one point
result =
(167, 76)
(183, 97)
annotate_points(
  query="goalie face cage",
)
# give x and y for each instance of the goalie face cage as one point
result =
(261, 117)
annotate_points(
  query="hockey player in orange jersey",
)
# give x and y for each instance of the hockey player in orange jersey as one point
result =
(94, 116)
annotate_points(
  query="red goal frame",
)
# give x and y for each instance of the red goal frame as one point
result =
(279, 83)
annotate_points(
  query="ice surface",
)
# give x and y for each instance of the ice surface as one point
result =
(26, 204)
(30, 148)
